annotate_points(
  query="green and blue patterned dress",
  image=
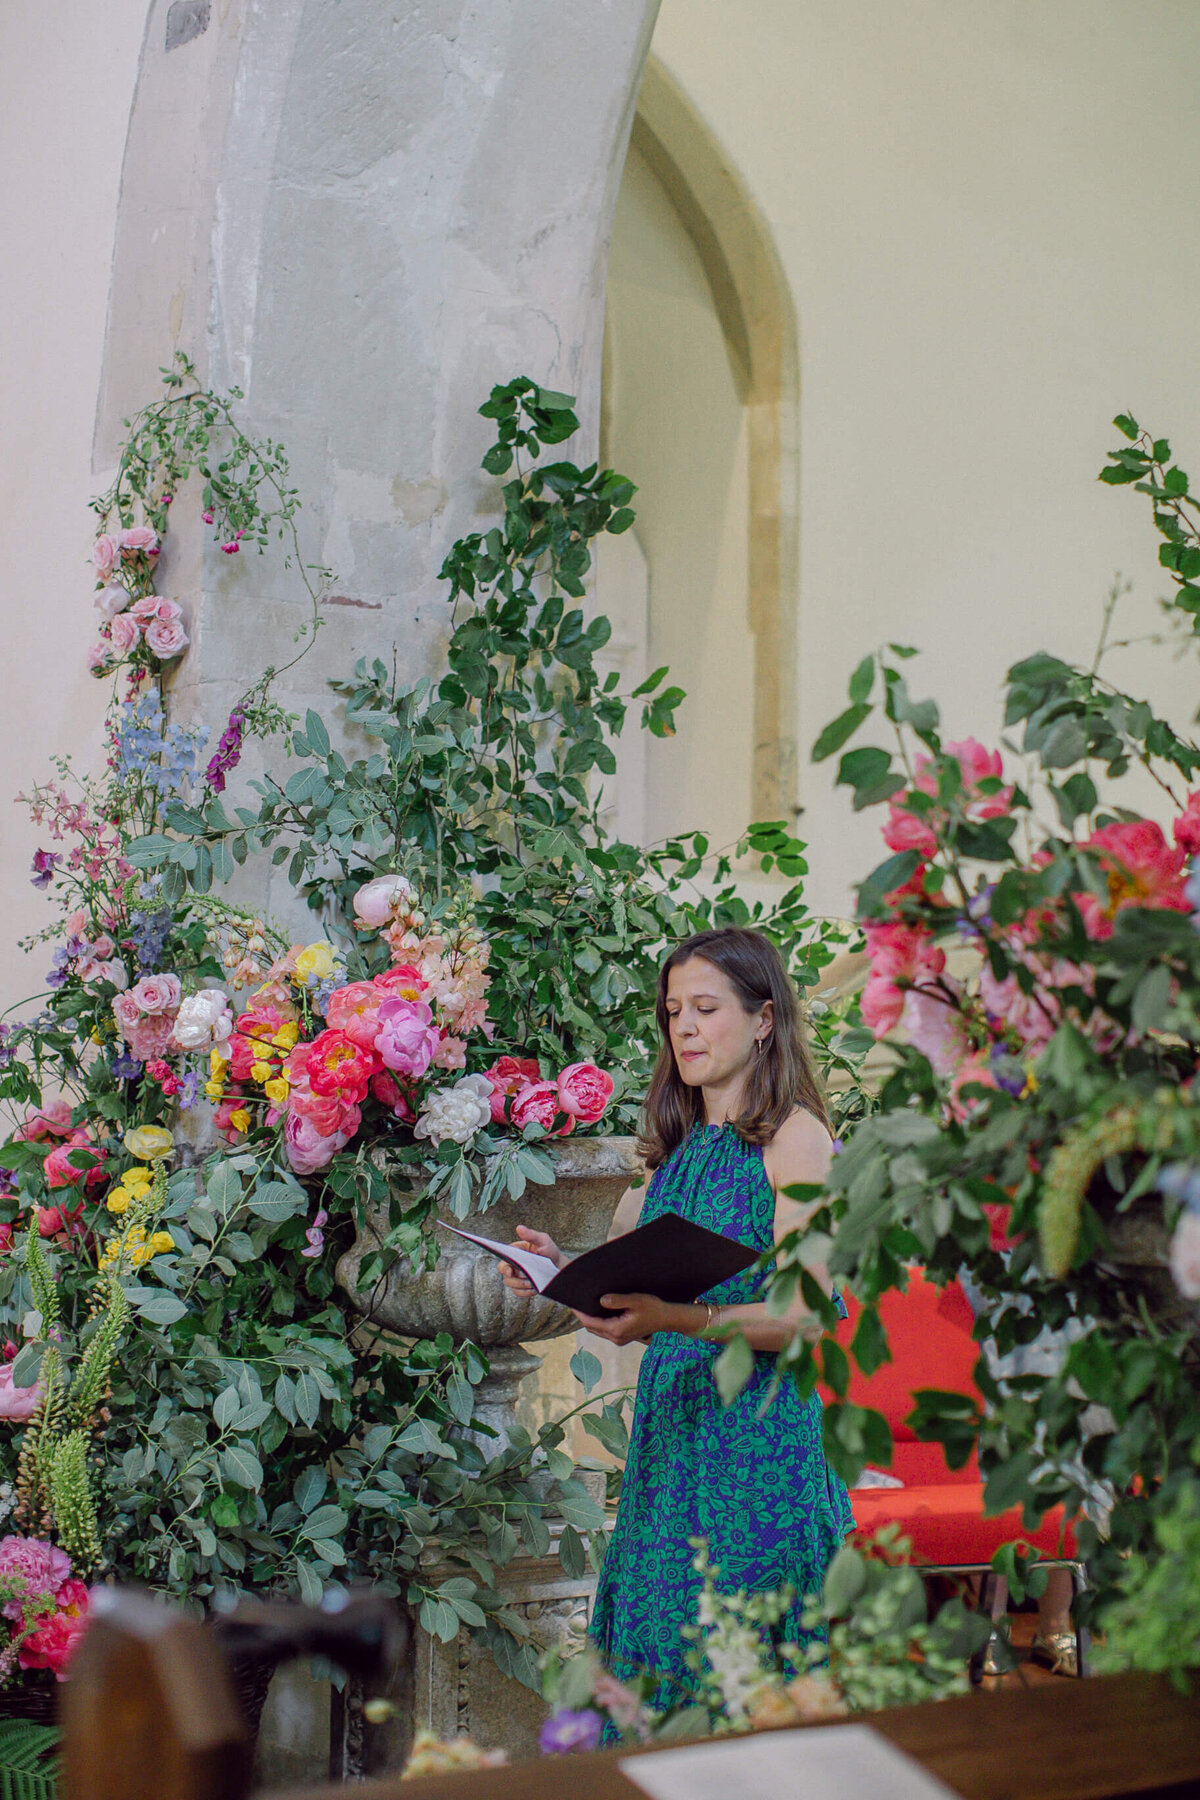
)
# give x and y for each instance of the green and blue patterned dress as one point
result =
(758, 1489)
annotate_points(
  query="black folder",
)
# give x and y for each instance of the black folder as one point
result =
(671, 1258)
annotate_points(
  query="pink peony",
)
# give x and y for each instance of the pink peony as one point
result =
(104, 555)
(60, 1172)
(18, 1403)
(111, 600)
(538, 1103)
(151, 1036)
(404, 983)
(901, 956)
(936, 1027)
(1142, 870)
(389, 1093)
(156, 994)
(376, 900)
(407, 1039)
(126, 633)
(1187, 826)
(167, 638)
(41, 1566)
(1185, 1255)
(51, 1120)
(307, 1149)
(138, 540)
(584, 1091)
(354, 1009)
(508, 1075)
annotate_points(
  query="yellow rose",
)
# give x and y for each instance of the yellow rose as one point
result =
(214, 1089)
(140, 1255)
(276, 1091)
(137, 1177)
(118, 1200)
(217, 1064)
(149, 1143)
(285, 1037)
(260, 1071)
(240, 1120)
(316, 960)
(161, 1240)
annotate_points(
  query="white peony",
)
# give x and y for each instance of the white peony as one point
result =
(1185, 1255)
(456, 1112)
(203, 1019)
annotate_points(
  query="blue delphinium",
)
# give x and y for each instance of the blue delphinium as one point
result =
(148, 932)
(165, 757)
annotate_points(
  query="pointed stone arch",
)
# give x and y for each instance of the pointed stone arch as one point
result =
(754, 303)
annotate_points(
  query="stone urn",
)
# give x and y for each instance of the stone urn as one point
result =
(465, 1294)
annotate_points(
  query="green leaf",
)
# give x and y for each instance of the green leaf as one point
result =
(311, 1590)
(1127, 426)
(1008, 1485)
(226, 1407)
(309, 1486)
(571, 1553)
(1151, 998)
(869, 1346)
(326, 1521)
(587, 1369)
(276, 1201)
(159, 1308)
(733, 1369)
(308, 1397)
(578, 1508)
(845, 1582)
(862, 681)
(315, 732)
(27, 1365)
(329, 1550)
(239, 1463)
(841, 728)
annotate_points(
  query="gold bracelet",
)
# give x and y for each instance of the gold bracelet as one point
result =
(714, 1315)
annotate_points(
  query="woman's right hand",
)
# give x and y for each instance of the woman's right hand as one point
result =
(541, 1244)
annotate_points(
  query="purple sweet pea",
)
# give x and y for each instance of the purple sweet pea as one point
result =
(315, 1236)
(566, 1731)
(43, 867)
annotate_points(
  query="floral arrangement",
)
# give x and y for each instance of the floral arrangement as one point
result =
(45, 1608)
(876, 1648)
(1034, 973)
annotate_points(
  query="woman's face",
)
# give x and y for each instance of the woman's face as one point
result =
(712, 1034)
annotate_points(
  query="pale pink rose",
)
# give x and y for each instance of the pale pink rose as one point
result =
(538, 1103)
(156, 993)
(138, 540)
(407, 1040)
(167, 610)
(451, 1054)
(111, 600)
(98, 655)
(127, 1013)
(126, 633)
(584, 1091)
(18, 1403)
(167, 638)
(376, 900)
(146, 608)
(1185, 1255)
(151, 1036)
(104, 555)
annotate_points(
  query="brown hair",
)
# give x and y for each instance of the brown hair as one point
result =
(779, 1079)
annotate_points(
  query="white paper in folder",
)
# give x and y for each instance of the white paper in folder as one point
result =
(835, 1762)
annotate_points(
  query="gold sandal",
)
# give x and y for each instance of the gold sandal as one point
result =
(1057, 1651)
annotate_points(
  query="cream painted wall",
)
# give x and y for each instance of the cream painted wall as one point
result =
(973, 203)
(67, 74)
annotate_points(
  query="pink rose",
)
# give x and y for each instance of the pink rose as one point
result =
(156, 993)
(138, 540)
(539, 1104)
(407, 1039)
(451, 1053)
(146, 608)
(584, 1092)
(18, 1403)
(904, 831)
(125, 633)
(111, 600)
(376, 900)
(167, 638)
(97, 657)
(167, 610)
(104, 555)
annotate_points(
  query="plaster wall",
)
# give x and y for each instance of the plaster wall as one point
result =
(67, 73)
(986, 267)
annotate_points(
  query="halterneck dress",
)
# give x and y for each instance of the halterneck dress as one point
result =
(757, 1488)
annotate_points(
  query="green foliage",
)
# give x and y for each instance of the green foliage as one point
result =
(28, 1760)
(1154, 1622)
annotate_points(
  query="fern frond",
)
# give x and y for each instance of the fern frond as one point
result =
(27, 1771)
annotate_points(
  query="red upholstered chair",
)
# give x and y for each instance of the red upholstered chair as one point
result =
(939, 1508)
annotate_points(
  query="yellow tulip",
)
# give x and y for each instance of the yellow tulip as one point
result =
(217, 1064)
(214, 1089)
(149, 1143)
(285, 1037)
(138, 1176)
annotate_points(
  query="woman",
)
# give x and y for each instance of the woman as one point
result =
(734, 1115)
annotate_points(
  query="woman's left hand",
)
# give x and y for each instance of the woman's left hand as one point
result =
(637, 1316)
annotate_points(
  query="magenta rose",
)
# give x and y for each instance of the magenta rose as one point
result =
(125, 633)
(407, 1039)
(167, 638)
(584, 1091)
(539, 1104)
(157, 993)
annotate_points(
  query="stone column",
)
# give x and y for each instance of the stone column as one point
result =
(364, 216)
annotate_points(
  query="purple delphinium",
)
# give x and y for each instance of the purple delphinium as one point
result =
(43, 867)
(566, 1731)
(6, 1054)
(229, 750)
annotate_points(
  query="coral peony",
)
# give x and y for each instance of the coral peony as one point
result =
(337, 1065)
(354, 1009)
(53, 1119)
(1142, 870)
(56, 1639)
(403, 983)
(901, 956)
(389, 1093)
(60, 1171)
(584, 1091)
(407, 1039)
(539, 1104)
(508, 1075)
